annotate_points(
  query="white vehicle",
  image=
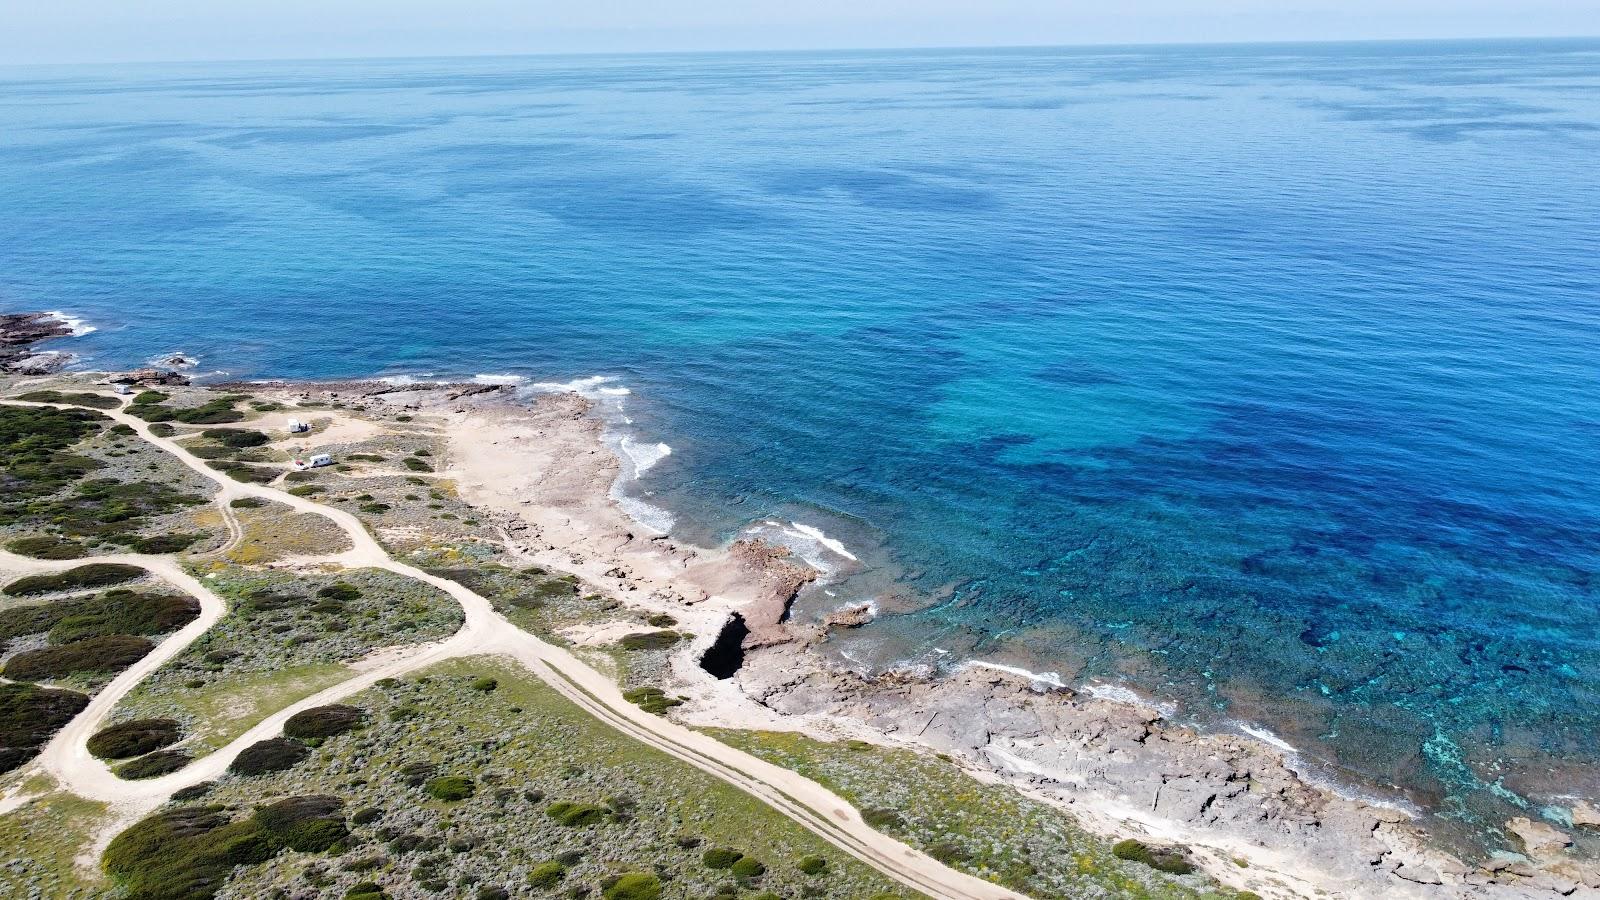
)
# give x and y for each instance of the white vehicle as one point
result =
(124, 389)
(315, 462)
(298, 427)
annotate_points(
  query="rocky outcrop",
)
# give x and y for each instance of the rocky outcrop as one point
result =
(1132, 771)
(19, 332)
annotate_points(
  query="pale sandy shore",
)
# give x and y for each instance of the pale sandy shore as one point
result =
(540, 467)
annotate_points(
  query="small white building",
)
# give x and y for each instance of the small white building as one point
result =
(298, 427)
(315, 462)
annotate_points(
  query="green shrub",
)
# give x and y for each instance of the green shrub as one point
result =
(116, 612)
(881, 818)
(29, 716)
(93, 575)
(306, 824)
(341, 592)
(48, 547)
(1172, 860)
(576, 815)
(651, 699)
(215, 412)
(270, 755)
(164, 543)
(720, 858)
(365, 890)
(747, 867)
(450, 788)
(416, 465)
(366, 815)
(813, 865)
(192, 792)
(154, 765)
(547, 874)
(162, 429)
(145, 398)
(98, 401)
(105, 653)
(650, 640)
(247, 503)
(375, 508)
(485, 684)
(237, 438)
(306, 490)
(323, 721)
(634, 886)
(134, 738)
(187, 853)
(661, 620)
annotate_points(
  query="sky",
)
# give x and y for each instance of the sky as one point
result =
(89, 31)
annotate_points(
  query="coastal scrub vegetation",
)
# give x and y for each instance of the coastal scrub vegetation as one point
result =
(499, 793)
(134, 738)
(96, 401)
(29, 716)
(989, 830)
(85, 577)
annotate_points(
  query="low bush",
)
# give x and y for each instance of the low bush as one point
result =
(93, 575)
(650, 640)
(48, 547)
(366, 815)
(812, 865)
(633, 886)
(484, 684)
(154, 765)
(881, 818)
(720, 858)
(416, 465)
(192, 792)
(366, 890)
(105, 653)
(116, 612)
(164, 543)
(306, 490)
(307, 824)
(146, 398)
(576, 815)
(247, 503)
(450, 788)
(134, 738)
(323, 721)
(270, 755)
(661, 620)
(161, 429)
(375, 508)
(29, 716)
(747, 867)
(651, 699)
(1172, 860)
(97, 401)
(187, 853)
(340, 591)
(547, 874)
(237, 438)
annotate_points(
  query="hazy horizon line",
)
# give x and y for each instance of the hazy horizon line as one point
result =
(769, 51)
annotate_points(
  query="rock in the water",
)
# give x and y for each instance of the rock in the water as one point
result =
(1539, 839)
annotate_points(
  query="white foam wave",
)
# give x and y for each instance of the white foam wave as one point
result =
(817, 535)
(1265, 736)
(593, 387)
(642, 456)
(1053, 679)
(506, 379)
(1116, 693)
(177, 359)
(76, 324)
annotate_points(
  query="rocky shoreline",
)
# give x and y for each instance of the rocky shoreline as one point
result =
(20, 331)
(540, 470)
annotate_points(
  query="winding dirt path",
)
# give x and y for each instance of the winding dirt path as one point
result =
(483, 632)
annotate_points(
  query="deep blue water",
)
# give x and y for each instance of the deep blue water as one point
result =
(1261, 379)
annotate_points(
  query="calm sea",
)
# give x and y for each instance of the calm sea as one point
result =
(1261, 380)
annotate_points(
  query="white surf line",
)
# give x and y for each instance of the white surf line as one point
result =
(485, 632)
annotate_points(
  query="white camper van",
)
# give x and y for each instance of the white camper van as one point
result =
(315, 462)
(298, 427)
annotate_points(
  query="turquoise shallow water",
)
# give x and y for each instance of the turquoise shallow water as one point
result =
(1260, 379)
